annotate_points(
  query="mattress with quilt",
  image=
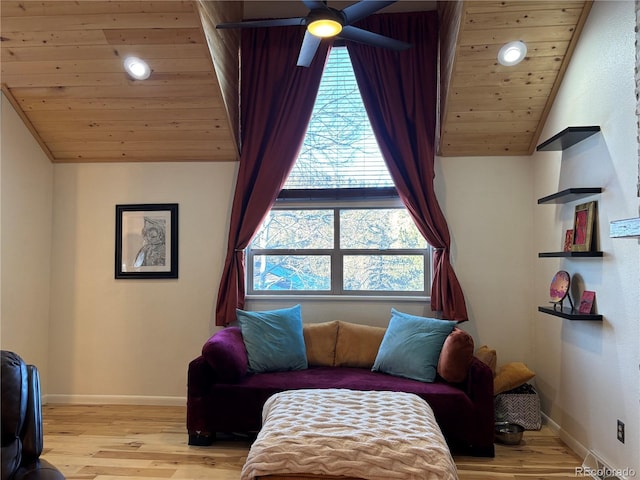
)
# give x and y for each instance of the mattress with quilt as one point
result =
(341, 433)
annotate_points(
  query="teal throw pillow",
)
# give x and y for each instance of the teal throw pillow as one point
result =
(273, 339)
(411, 346)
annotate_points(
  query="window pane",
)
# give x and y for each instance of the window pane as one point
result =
(292, 272)
(295, 229)
(379, 229)
(402, 273)
(339, 149)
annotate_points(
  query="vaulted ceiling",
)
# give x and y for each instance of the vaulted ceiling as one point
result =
(62, 70)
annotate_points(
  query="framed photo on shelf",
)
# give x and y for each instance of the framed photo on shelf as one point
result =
(568, 240)
(583, 222)
(586, 302)
(146, 241)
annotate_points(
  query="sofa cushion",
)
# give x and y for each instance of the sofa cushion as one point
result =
(357, 345)
(273, 339)
(226, 355)
(488, 356)
(456, 356)
(510, 376)
(454, 410)
(320, 342)
(411, 346)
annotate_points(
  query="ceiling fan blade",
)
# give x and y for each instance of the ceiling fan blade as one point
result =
(308, 49)
(362, 9)
(314, 4)
(370, 38)
(274, 22)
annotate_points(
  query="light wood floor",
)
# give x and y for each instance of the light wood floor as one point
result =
(142, 442)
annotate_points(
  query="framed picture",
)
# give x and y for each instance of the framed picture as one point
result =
(583, 222)
(147, 241)
(586, 301)
(568, 240)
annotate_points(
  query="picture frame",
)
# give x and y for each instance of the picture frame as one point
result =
(586, 302)
(146, 243)
(583, 223)
(568, 240)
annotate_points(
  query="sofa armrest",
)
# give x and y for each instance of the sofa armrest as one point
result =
(226, 355)
(479, 388)
(479, 382)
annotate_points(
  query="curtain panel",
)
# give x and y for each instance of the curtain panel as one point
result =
(277, 99)
(399, 91)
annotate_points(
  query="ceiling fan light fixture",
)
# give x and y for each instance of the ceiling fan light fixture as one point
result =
(512, 53)
(324, 27)
(137, 68)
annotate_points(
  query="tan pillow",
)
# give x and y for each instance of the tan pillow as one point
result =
(320, 342)
(487, 355)
(455, 356)
(357, 345)
(510, 376)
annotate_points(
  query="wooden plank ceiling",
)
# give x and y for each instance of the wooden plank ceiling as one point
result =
(490, 109)
(62, 63)
(62, 69)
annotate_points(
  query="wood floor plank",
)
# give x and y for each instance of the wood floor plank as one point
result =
(117, 442)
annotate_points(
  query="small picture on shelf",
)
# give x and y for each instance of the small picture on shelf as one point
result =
(583, 222)
(568, 240)
(586, 302)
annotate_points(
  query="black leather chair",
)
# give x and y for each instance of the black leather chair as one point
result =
(22, 422)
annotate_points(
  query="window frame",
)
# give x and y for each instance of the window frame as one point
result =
(337, 254)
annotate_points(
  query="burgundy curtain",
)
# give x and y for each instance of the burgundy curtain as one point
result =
(277, 99)
(399, 90)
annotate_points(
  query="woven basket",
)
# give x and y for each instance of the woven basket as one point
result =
(521, 406)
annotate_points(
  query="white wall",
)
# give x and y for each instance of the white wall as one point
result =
(115, 340)
(587, 372)
(487, 204)
(25, 222)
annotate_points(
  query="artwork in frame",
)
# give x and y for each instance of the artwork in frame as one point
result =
(568, 240)
(586, 302)
(146, 241)
(583, 223)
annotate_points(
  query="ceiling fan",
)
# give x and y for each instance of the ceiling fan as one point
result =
(325, 22)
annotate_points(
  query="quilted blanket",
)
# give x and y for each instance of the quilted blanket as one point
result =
(364, 434)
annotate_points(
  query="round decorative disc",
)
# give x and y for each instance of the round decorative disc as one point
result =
(559, 286)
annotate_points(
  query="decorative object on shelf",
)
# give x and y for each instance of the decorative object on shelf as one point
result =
(568, 240)
(586, 301)
(559, 289)
(583, 222)
(147, 241)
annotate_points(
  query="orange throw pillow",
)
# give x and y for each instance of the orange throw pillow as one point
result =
(456, 356)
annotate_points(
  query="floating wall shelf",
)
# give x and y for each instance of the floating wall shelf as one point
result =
(567, 138)
(569, 254)
(569, 195)
(570, 314)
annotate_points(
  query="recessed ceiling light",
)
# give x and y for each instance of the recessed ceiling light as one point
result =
(512, 53)
(138, 69)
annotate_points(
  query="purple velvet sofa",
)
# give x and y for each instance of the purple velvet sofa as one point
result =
(223, 398)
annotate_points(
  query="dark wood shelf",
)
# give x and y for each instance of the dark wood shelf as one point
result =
(570, 194)
(567, 138)
(569, 254)
(570, 314)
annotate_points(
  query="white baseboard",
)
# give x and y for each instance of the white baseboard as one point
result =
(114, 400)
(571, 442)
